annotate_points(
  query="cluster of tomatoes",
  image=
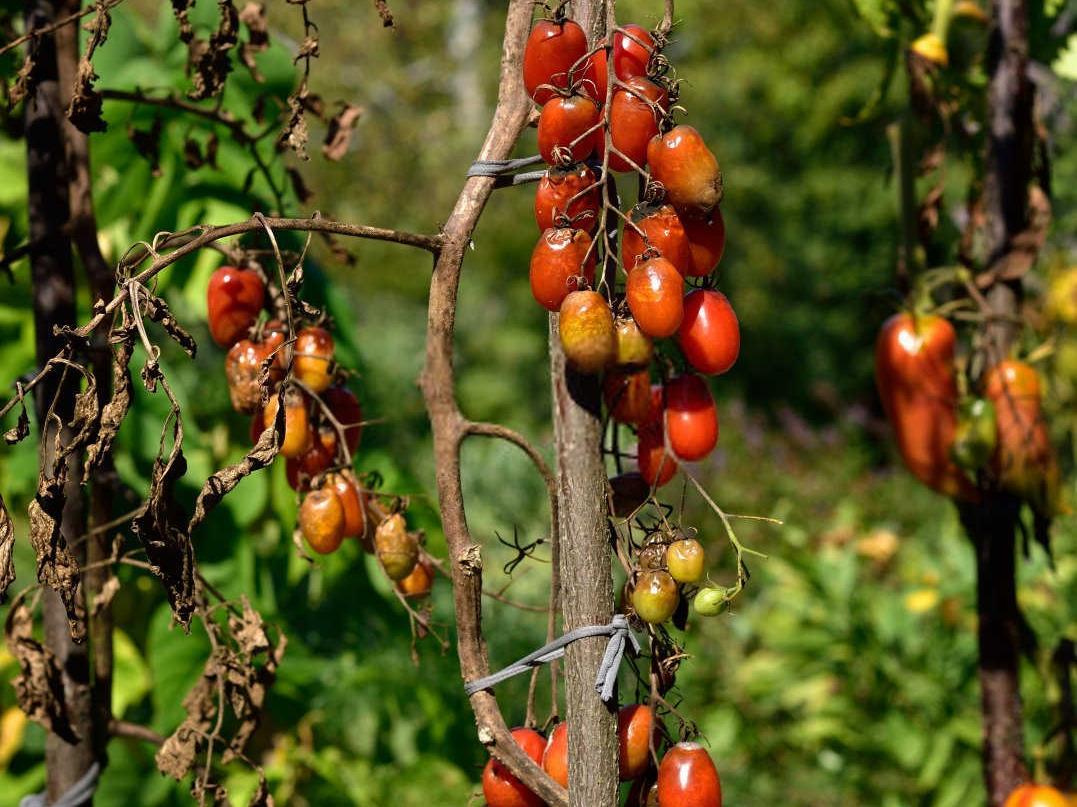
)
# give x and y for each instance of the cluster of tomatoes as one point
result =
(686, 776)
(322, 424)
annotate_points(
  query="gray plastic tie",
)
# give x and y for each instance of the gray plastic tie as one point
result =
(620, 635)
(502, 171)
(80, 793)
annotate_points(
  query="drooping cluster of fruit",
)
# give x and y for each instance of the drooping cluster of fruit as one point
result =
(673, 237)
(686, 776)
(322, 424)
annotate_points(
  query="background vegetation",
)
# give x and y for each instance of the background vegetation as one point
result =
(847, 673)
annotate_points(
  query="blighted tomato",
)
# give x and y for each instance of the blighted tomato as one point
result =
(569, 192)
(914, 372)
(628, 396)
(632, 53)
(559, 259)
(687, 169)
(691, 418)
(709, 335)
(687, 778)
(656, 465)
(634, 347)
(396, 548)
(321, 520)
(655, 596)
(555, 757)
(234, 297)
(301, 470)
(1030, 795)
(634, 723)
(706, 239)
(552, 49)
(351, 500)
(630, 491)
(313, 364)
(661, 229)
(500, 787)
(566, 129)
(655, 293)
(297, 433)
(242, 370)
(345, 408)
(686, 560)
(419, 583)
(586, 330)
(634, 115)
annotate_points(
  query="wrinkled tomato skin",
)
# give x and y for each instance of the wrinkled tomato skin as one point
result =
(234, 297)
(551, 50)
(1029, 795)
(555, 757)
(691, 418)
(557, 188)
(630, 58)
(706, 240)
(556, 263)
(709, 335)
(656, 465)
(563, 121)
(500, 788)
(914, 373)
(687, 778)
(687, 169)
(664, 232)
(655, 293)
(242, 369)
(346, 409)
(633, 121)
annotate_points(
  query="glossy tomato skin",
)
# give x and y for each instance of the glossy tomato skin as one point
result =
(500, 788)
(302, 469)
(634, 116)
(555, 757)
(321, 520)
(587, 334)
(234, 297)
(655, 293)
(709, 335)
(656, 465)
(564, 121)
(914, 373)
(687, 778)
(628, 396)
(634, 347)
(1030, 795)
(346, 409)
(553, 198)
(686, 560)
(706, 239)
(665, 233)
(420, 582)
(551, 50)
(655, 596)
(313, 363)
(691, 418)
(297, 432)
(631, 57)
(687, 169)
(556, 263)
(396, 548)
(634, 724)
(344, 485)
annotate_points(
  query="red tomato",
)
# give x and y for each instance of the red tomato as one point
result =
(596, 75)
(691, 418)
(556, 264)
(302, 469)
(631, 57)
(634, 116)
(556, 192)
(555, 757)
(687, 169)
(233, 299)
(1029, 795)
(706, 238)
(655, 293)
(243, 369)
(634, 723)
(565, 128)
(552, 49)
(344, 485)
(345, 408)
(687, 778)
(628, 396)
(656, 465)
(500, 787)
(914, 371)
(709, 335)
(664, 231)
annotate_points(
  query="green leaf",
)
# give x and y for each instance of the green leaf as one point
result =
(131, 675)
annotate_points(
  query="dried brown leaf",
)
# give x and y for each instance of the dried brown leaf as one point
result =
(262, 797)
(181, 9)
(253, 16)
(157, 310)
(24, 84)
(21, 430)
(383, 11)
(341, 128)
(295, 134)
(113, 412)
(39, 688)
(7, 551)
(104, 597)
(299, 186)
(209, 61)
(56, 566)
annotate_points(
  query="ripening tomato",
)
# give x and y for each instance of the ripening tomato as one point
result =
(297, 433)
(656, 465)
(568, 197)
(655, 293)
(709, 335)
(552, 49)
(419, 583)
(321, 520)
(586, 330)
(632, 53)
(706, 239)
(242, 369)
(313, 363)
(555, 757)
(397, 549)
(686, 560)
(347, 490)
(628, 396)
(687, 169)
(634, 115)
(1030, 795)
(634, 724)
(687, 778)
(691, 418)
(634, 347)
(566, 129)
(345, 408)
(655, 596)
(664, 232)
(557, 263)
(234, 297)
(302, 469)
(1024, 460)
(914, 372)
(500, 787)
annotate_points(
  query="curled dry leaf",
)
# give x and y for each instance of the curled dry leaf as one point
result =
(113, 412)
(7, 551)
(21, 430)
(39, 688)
(339, 135)
(182, 9)
(295, 133)
(262, 797)
(104, 597)
(84, 110)
(157, 310)
(209, 62)
(253, 16)
(57, 568)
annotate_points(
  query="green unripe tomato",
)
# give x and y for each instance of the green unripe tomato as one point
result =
(686, 560)
(976, 434)
(655, 596)
(710, 601)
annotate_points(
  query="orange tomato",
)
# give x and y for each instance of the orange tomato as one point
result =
(1030, 795)
(557, 262)
(655, 293)
(664, 232)
(555, 194)
(687, 169)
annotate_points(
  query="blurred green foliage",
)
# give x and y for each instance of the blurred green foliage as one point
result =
(846, 672)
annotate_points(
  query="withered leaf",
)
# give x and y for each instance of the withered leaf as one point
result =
(384, 12)
(56, 566)
(157, 310)
(341, 128)
(253, 16)
(148, 144)
(7, 550)
(192, 154)
(295, 133)
(104, 597)
(21, 430)
(209, 61)
(24, 84)
(299, 186)
(262, 797)
(39, 688)
(181, 9)
(84, 111)
(113, 412)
